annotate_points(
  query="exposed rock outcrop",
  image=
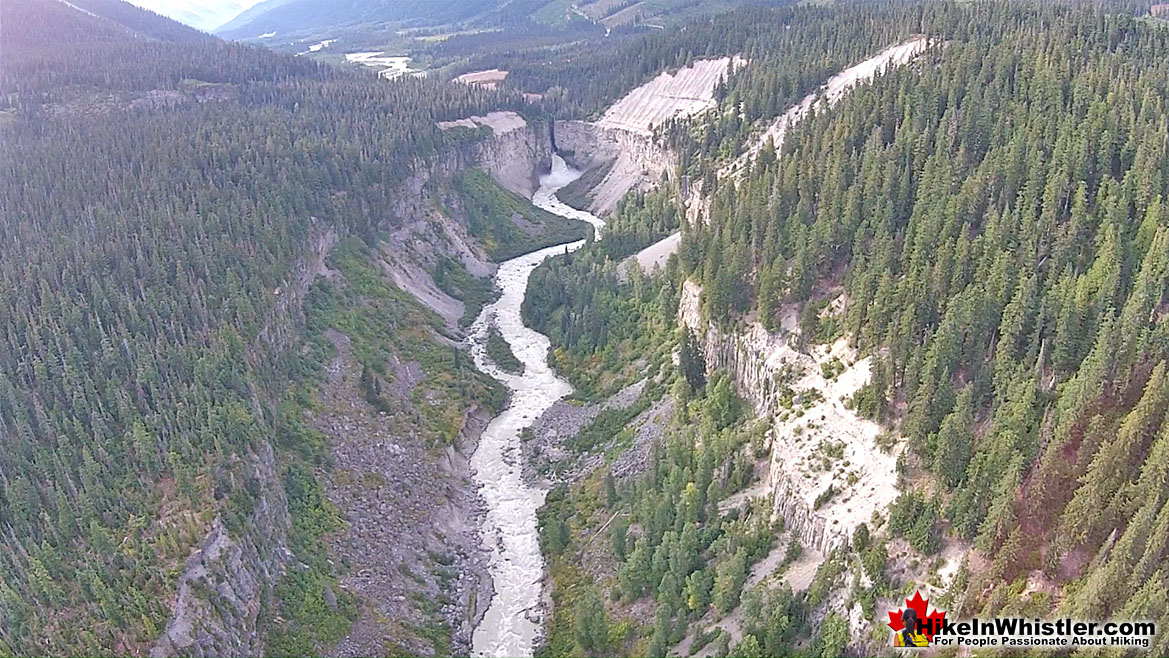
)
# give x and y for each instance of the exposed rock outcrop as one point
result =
(827, 473)
(516, 153)
(226, 580)
(412, 531)
(624, 134)
(686, 92)
(638, 161)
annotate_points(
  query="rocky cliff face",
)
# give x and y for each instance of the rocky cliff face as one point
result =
(516, 154)
(638, 161)
(225, 581)
(827, 474)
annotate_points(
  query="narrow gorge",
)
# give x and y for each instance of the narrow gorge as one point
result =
(511, 624)
(621, 145)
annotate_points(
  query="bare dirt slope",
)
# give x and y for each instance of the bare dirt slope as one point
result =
(489, 78)
(827, 474)
(685, 93)
(832, 91)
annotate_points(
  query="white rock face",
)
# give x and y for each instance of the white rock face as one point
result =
(500, 123)
(685, 93)
(637, 161)
(826, 445)
(823, 445)
(514, 154)
(623, 136)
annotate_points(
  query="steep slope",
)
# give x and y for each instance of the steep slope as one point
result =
(622, 142)
(296, 16)
(213, 389)
(1008, 281)
(946, 292)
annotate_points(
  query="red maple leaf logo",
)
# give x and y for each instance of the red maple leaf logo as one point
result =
(931, 623)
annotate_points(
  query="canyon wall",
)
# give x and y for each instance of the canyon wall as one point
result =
(827, 473)
(421, 231)
(226, 579)
(638, 162)
(229, 576)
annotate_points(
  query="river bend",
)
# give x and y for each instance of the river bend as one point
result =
(511, 624)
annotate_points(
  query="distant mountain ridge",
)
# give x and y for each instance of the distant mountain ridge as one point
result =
(285, 16)
(205, 15)
(327, 18)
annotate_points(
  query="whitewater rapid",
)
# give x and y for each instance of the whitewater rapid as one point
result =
(511, 624)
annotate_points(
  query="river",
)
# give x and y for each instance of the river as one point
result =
(510, 625)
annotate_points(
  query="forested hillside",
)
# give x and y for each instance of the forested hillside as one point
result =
(200, 242)
(990, 224)
(470, 26)
(794, 50)
(165, 201)
(994, 217)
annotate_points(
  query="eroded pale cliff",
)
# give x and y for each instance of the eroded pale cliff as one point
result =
(827, 472)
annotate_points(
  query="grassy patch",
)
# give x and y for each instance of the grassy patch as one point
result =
(506, 224)
(607, 424)
(452, 278)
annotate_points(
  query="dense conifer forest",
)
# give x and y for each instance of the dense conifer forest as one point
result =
(993, 217)
(992, 221)
(800, 48)
(161, 196)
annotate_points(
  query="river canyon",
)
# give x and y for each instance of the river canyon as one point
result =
(511, 624)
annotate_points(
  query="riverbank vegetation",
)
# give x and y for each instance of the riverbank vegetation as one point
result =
(452, 278)
(506, 224)
(672, 557)
(604, 332)
(992, 223)
(500, 352)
